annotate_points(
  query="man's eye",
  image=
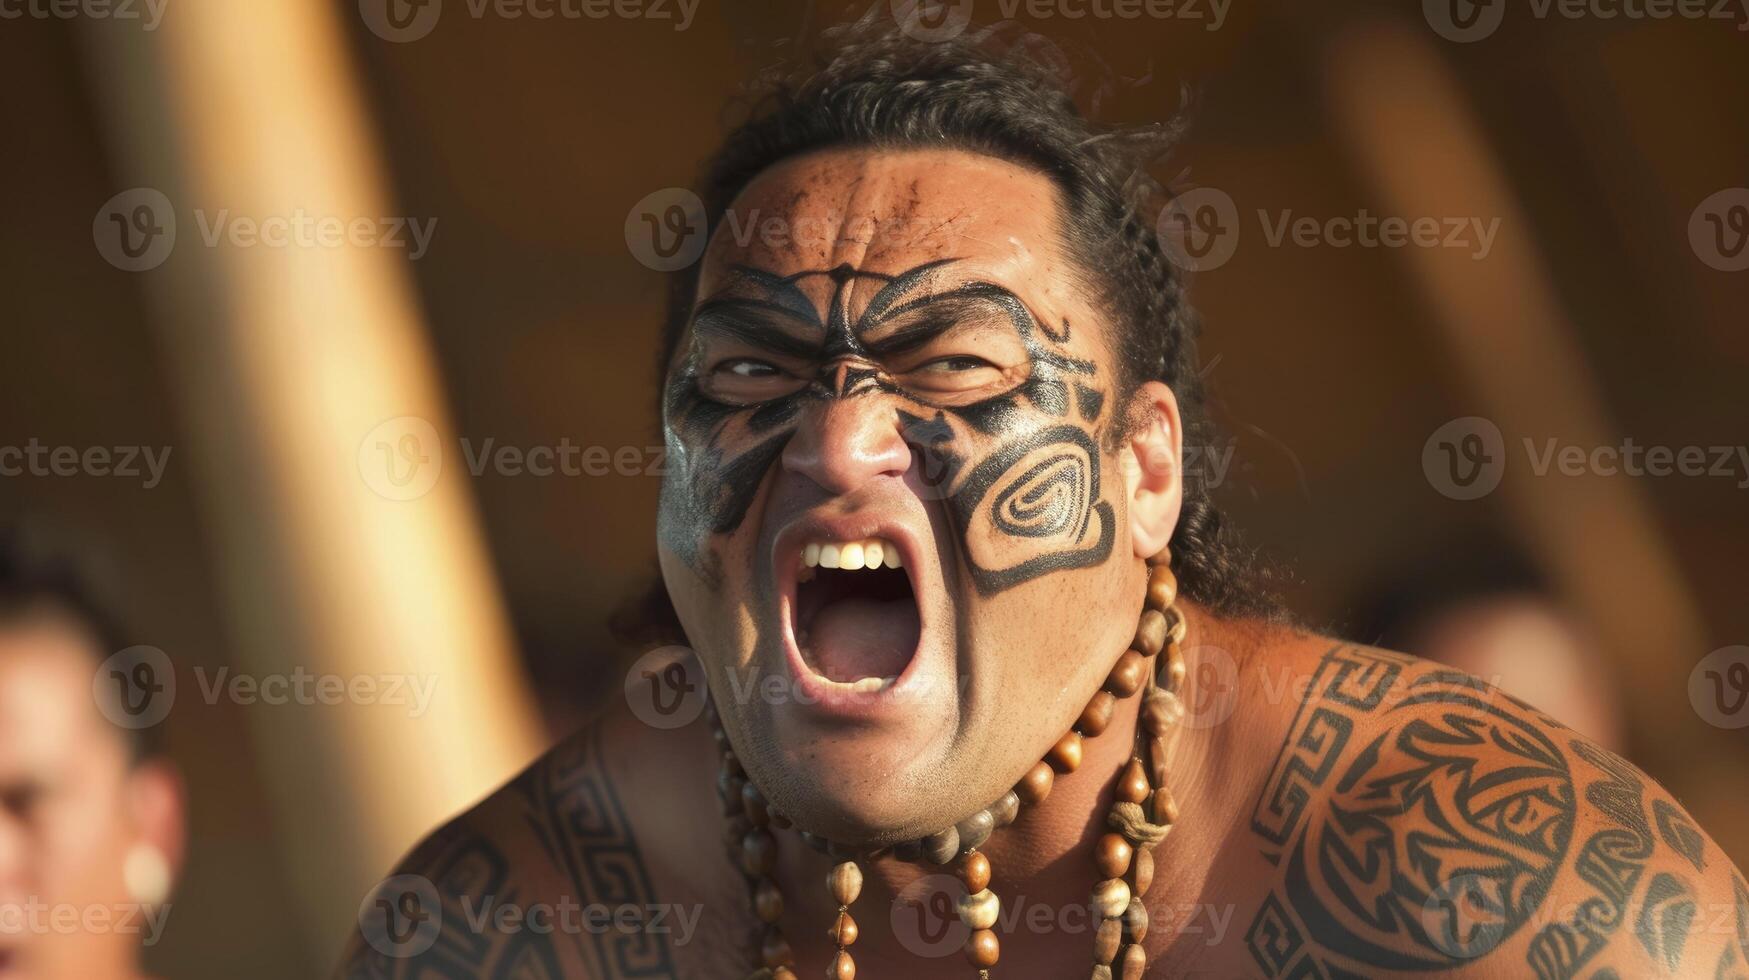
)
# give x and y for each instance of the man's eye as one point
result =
(746, 367)
(956, 363)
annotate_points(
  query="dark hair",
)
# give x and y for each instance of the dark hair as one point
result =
(885, 90)
(39, 573)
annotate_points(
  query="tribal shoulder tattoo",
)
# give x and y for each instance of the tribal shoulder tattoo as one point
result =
(1018, 468)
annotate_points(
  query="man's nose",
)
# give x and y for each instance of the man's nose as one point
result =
(843, 443)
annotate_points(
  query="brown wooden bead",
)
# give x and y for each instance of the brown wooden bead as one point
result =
(1177, 627)
(1006, 808)
(1135, 962)
(1107, 940)
(842, 968)
(974, 871)
(942, 846)
(844, 881)
(1111, 854)
(1135, 921)
(1097, 715)
(1142, 871)
(774, 950)
(753, 804)
(844, 931)
(767, 901)
(758, 852)
(1163, 808)
(976, 829)
(1127, 674)
(1132, 783)
(1101, 972)
(729, 792)
(1172, 669)
(782, 973)
(1157, 772)
(1162, 710)
(1036, 784)
(1162, 588)
(1110, 898)
(983, 949)
(1065, 756)
(1150, 633)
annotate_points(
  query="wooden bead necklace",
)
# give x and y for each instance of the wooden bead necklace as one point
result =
(1141, 813)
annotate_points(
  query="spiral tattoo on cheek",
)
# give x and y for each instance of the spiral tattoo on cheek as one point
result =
(1019, 472)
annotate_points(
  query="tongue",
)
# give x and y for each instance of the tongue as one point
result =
(854, 638)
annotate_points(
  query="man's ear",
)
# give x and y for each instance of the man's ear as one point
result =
(157, 801)
(1153, 465)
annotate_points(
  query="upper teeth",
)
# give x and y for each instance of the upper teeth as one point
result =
(851, 555)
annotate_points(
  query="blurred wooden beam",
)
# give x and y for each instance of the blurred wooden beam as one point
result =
(1412, 133)
(288, 358)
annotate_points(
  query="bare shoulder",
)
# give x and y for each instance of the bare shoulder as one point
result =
(570, 869)
(1416, 819)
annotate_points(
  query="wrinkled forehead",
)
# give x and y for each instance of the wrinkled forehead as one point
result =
(891, 211)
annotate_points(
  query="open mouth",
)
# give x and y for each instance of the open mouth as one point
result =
(856, 616)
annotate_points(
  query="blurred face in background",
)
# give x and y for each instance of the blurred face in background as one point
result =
(78, 818)
(895, 519)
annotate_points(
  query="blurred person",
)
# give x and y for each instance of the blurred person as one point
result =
(91, 814)
(977, 646)
(1484, 611)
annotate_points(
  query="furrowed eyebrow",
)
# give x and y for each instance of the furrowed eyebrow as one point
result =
(754, 323)
(936, 316)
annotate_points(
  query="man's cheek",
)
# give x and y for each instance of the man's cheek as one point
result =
(1033, 507)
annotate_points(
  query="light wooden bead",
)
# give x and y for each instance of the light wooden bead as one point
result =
(1006, 808)
(1162, 588)
(1157, 772)
(1097, 715)
(942, 846)
(1127, 674)
(1107, 941)
(982, 949)
(1101, 972)
(1135, 962)
(1142, 871)
(1163, 808)
(1036, 784)
(1150, 633)
(974, 871)
(1161, 712)
(767, 901)
(1110, 898)
(844, 931)
(1065, 756)
(774, 950)
(976, 829)
(842, 968)
(980, 909)
(1111, 854)
(1132, 783)
(1177, 627)
(1172, 669)
(845, 882)
(782, 973)
(1135, 921)
(758, 852)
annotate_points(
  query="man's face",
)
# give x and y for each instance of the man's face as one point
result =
(64, 810)
(891, 352)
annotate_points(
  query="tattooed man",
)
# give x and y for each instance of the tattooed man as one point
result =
(927, 397)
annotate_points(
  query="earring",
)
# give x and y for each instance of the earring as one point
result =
(146, 873)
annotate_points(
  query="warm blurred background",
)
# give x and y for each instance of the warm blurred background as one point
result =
(1597, 295)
